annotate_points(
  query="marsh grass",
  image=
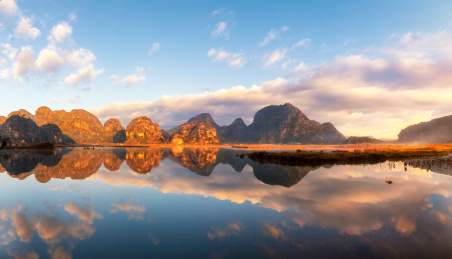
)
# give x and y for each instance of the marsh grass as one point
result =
(373, 156)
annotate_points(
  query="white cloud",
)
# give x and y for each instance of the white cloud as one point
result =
(218, 11)
(130, 79)
(287, 63)
(8, 7)
(81, 57)
(9, 51)
(220, 30)
(274, 57)
(2, 26)
(49, 60)
(300, 69)
(233, 59)
(84, 75)
(303, 42)
(72, 17)
(272, 35)
(84, 213)
(135, 211)
(4, 73)
(60, 32)
(154, 48)
(222, 11)
(24, 60)
(55, 100)
(378, 95)
(25, 29)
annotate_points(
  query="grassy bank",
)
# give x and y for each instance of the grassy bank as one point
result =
(316, 158)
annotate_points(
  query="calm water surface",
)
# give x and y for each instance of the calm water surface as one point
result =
(208, 203)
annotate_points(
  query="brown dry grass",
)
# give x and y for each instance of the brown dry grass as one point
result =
(352, 155)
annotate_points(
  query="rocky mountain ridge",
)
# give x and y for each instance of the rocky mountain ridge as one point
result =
(275, 124)
(436, 131)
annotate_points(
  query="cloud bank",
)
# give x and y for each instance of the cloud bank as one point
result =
(377, 93)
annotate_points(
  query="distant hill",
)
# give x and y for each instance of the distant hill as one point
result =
(436, 131)
(362, 140)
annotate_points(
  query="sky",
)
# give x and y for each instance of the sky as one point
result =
(368, 67)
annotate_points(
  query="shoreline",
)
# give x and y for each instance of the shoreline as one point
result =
(343, 157)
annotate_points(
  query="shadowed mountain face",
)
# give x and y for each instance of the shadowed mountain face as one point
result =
(233, 133)
(21, 130)
(287, 124)
(78, 163)
(435, 131)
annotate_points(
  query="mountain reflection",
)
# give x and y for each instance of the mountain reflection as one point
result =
(79, 163)
(349, 209)
(143, 160)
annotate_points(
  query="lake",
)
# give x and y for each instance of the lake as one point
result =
(209, 203)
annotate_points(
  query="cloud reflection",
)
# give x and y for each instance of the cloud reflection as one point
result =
(22, 224)
(135, 212)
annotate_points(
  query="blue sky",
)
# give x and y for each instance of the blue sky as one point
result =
(369, 67)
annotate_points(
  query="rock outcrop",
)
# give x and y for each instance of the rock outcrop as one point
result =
(200, 117)
(436, 131)
(233, 133)
(330, 133)
(143, 131)
(22, 113)
(114, 132)
(21, 130)
(287, 124)
(51, 133)
(205, 117)
(2, 120)
(273, 124)
(195, 132)
(78, 125)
